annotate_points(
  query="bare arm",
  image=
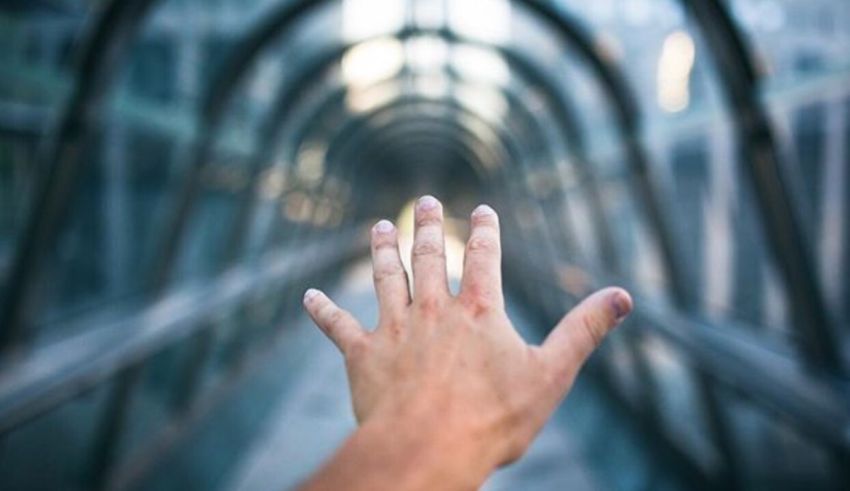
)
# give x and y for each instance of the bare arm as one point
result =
(444, 389)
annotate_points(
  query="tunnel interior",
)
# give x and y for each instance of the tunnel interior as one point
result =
(174, 174)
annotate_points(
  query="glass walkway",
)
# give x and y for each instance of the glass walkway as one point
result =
(175, 173)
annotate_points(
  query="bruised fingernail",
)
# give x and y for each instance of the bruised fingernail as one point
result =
(483, 210)
(383, 227)
(621, 302)
(310, 294)
(427, 203)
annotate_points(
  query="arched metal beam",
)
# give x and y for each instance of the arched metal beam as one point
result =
(132, 13)
(563, 236)
(285, 103)
(350, 127)
(390, 130)
(440, 144)
(791, 251)
(393, 105)
(351, 122)
(401, 126)
(516, 103)
(569, 32)
(644, 184)
(550, 93)
(60, 162)
(363, 124)
(118, 25)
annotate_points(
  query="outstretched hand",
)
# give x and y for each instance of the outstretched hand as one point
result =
(449, 375)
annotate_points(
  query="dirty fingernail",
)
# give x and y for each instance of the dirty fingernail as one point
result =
(427, 203)
(310, 294)
(622, 304)
(383, 227)
(483, 210)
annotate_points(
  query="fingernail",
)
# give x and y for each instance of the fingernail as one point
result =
(622, 305)
(483, 210)
(310, 294)
(427, 203)
(383, 227)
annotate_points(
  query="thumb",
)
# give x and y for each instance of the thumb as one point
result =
(584, 327)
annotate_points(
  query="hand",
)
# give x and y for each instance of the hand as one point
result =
(453, 366)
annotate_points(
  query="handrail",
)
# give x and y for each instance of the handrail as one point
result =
(48, 376)
(818, 407)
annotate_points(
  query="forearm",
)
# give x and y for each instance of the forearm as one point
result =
(403, 455)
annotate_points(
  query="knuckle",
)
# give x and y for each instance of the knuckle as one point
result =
(428, 219)
(427, 248)
(334, 317)
(475, 301)
(380, 243)
(387, 271)
(357, 348)
(482, 244)
(392, 326)
(429, 306)
(485, 220)
(591, 330)
(322, 311)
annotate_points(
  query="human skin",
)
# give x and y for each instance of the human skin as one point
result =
(444, 389)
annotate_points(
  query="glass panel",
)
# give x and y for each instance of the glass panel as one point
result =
(680, 402)
(53, 451)
(35, 77)
(802, 52)
(792, 462)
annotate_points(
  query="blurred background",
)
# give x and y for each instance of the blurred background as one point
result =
(174, 174)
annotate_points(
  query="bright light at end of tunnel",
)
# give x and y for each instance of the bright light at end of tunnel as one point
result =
(427, 53)
(483, 100)
(487, 20)
(455, 246)
(433, 86)
(480, 64)
(372, 61)
(311, 163)
(362, 19)
(674, 71)
(361, 100)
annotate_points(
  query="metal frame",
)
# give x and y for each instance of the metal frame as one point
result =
(813, 407)
(285, 100)
(60, 165)
(792, 253)
(561, 106)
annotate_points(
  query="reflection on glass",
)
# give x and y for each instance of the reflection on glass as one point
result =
(432, 86)
(488, 102)
(480, 64)
(487, 20)
(366, 18)
(361, 100)
(272, 183)
(674, 71)
(427, 53)
(311, 163)
(372, 61)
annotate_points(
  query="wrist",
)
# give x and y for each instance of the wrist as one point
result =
(436, 446)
